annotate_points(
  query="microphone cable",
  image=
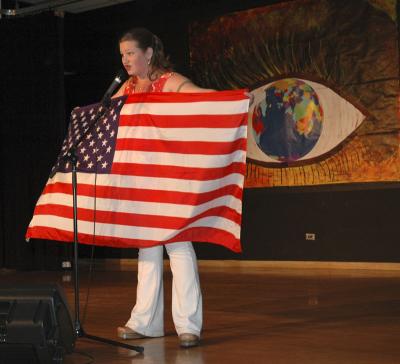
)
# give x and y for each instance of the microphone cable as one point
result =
(91, 261)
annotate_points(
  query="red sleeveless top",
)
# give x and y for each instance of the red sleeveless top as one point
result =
(155, 86)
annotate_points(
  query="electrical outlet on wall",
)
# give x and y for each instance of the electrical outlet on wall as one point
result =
(66, 264)
(310, 236)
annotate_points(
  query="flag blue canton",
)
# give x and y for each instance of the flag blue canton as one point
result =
(93, 138)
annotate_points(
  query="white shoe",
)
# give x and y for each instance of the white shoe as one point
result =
(126, 333)
(188, 340)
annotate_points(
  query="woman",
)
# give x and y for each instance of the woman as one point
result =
(149, 70)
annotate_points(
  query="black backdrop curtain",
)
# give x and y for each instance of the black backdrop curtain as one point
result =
(32, 127)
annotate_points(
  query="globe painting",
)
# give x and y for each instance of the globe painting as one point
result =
(287, 123)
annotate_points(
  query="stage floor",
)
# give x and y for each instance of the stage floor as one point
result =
(253, 313)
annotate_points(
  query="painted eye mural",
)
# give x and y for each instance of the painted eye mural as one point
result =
(293, 121)
(325, 76)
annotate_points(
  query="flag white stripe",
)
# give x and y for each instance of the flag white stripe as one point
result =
(185, 108)
(151, 183)
(141, 207)
(183, 134)
(129, 232)
(179, 160)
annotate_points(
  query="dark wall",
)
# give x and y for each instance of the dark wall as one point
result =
(350, 225)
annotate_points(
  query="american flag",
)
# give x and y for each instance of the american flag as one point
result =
(155, 168)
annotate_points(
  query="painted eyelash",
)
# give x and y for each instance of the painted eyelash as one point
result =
(270, 60)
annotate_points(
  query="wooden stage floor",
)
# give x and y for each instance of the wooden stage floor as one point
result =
(253, 313)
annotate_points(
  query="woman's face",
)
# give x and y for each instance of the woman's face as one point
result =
(134, 59)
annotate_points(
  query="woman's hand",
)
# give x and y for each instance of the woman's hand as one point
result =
(250, 96)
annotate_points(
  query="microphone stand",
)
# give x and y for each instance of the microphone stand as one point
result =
(72, 157)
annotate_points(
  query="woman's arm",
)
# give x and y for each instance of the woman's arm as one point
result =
(179, 83)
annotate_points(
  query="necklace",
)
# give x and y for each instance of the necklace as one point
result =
(144, 87)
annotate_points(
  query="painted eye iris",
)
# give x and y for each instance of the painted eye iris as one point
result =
(295, 121)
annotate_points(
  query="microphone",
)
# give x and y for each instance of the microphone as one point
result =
(119, 78)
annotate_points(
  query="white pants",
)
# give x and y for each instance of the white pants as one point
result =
(147, 317)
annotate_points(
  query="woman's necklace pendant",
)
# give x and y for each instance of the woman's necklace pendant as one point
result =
(142, 88)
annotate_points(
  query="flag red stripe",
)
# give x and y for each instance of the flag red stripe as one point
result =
(197, 234)
(184, 147)
(132, 219)
(183, 121)
(198, 174)
(141, 194)
(185, 97)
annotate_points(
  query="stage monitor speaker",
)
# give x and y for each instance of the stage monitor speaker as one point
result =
(35, 324)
